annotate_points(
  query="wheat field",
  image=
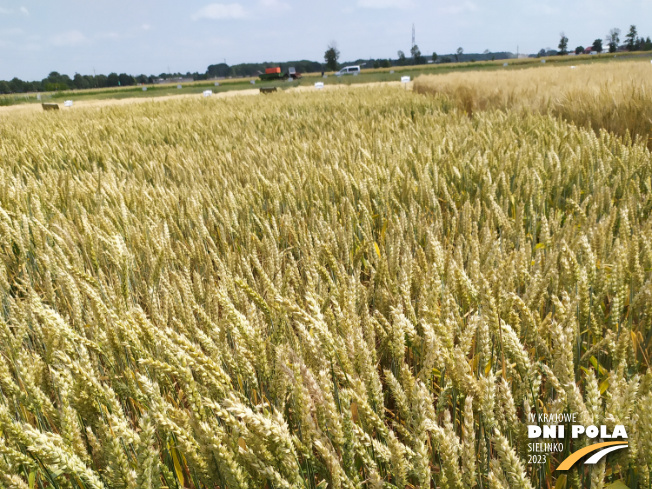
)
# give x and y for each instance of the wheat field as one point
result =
(355, 289)
(613, 96)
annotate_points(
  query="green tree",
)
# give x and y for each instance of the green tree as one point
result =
(459, 53)
(563, 44)
(331, 56)
(631, 38)
(648, 44)
(417, 59)
(597, 46)
(385, 63)
(78, 81)
(126, 80)
(218, 71)
(579, 49)
(112, 80)
(17, 85)
(434, 56)
(401, 57)
(613, 38)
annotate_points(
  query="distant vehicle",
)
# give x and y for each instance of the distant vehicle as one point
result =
(349, 70)
(275, 74)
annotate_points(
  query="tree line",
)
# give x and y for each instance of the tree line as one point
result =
(58, 82)
(633, 42)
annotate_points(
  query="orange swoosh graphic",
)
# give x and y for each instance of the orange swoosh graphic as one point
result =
(575, 456)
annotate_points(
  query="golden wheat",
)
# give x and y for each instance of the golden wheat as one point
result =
(353, 289)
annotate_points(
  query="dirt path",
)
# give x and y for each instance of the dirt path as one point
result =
(5, 110)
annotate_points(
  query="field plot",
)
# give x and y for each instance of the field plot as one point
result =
(612, 96)
(356, 288)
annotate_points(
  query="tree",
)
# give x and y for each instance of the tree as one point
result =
(17, 85)
(112, 80)
(613, 38)
(579, 49)
(541, 53)
(218, 71)
(385, 63)
(563, 44)
(78, 81)
(331, 56)
(126, 80)
(631, 38)
(648, 44)
(401, 57)
(434, 56)
(597, 46)
(101, 81)
(459, 53)
(417, 59)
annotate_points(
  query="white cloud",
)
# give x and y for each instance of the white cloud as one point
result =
(145, 27)
(275, 5)
(108, 35)
(5, 11)
(220, 11)
(24, 11)
(460, 8)
(70, 38)
(382, 4)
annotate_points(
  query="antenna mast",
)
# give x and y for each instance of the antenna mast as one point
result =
(413, 36)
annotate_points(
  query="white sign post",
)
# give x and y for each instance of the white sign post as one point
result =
(38, 96)
(505, 64)
(179, 86)
(144, 89)
(67, 103)
(208, 93)
(217, 84)
(319, 85)
(253, 82)
(405, 79)
(543, 61)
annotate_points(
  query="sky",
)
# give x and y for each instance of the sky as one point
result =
(151, 37)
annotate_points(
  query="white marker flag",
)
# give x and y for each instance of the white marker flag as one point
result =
(208, 93)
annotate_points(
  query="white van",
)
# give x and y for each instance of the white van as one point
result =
(349, 70)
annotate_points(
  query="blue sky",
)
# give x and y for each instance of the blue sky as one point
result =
(146, 36)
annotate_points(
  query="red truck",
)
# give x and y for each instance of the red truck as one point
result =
(275, 74)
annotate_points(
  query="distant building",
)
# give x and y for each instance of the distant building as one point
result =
(175, 79)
